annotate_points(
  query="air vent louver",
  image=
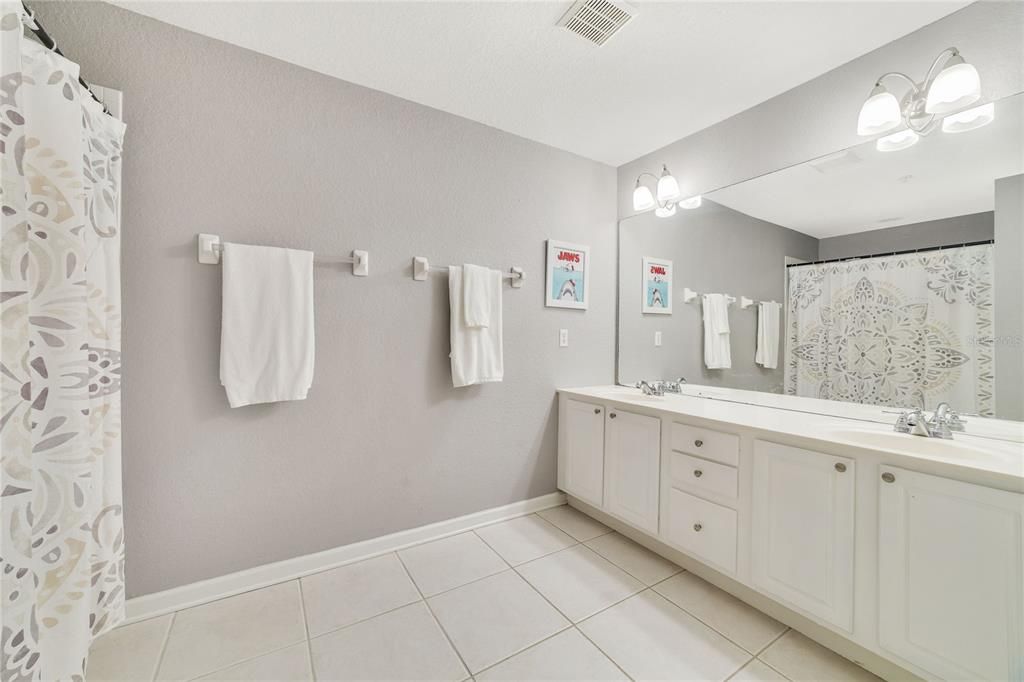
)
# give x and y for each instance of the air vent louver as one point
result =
(597, 20)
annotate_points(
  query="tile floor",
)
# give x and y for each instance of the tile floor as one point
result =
(547, 596)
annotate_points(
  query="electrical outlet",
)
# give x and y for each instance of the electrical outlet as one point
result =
(657, 338)
(563, 338)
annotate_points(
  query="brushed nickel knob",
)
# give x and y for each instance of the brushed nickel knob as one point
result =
(888, 478)
(612, 415)
(698, 442)
(597, 410)
(840, 467)
(697, 527)
(698, 473)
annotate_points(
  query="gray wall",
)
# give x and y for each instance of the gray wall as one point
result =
(713, 249)
(1009, 303)
(224, 140)
(974, 227)
(820, 116)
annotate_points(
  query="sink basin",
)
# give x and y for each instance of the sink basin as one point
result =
(905, 442)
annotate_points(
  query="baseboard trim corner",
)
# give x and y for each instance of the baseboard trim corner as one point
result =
(203, 591)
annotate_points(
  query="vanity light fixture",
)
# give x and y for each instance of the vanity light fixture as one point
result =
(667, 195)
(950, 84)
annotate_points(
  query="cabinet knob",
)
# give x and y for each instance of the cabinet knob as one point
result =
(888, 478)
(597, 410)
(612, 415)
(840, 467)
(698, 443)
(697, 527)
(698, 473)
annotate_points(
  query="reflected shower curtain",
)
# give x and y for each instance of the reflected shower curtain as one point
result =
(906, 331)
(62, 551)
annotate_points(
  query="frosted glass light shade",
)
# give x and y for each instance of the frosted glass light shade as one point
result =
(642, 198)
(692, 202)
(668, 188)
(956, 86)
(972, 119)
(665, 211)
(879, 114)
(897, 141)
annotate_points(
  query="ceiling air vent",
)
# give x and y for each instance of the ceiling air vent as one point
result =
(597, 20)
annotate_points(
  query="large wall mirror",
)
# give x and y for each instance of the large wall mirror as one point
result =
(897, 275)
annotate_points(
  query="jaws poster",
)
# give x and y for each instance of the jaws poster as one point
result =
(568, 275)
(657, 286)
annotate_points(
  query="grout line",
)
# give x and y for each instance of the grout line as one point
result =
(603, 652)
(305, 627)
(163, 646)
(774, 640)
(362, 620)
(523, 651)
(636, 577)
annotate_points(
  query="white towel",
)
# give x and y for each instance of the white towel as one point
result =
(717, 354)
(266, 333)
(476, 351)
(476, 295)
(767, 354)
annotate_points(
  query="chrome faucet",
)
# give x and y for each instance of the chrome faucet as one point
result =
(941, 424)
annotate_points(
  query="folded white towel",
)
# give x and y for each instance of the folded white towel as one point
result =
(476, 351)
(767, 354)
(476, 295)
(266, 334)
(717, 354)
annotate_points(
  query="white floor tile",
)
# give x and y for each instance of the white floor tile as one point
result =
(524, 538)
(638, 561)
(579, 582)
(800, 658)
(286, 665)
(566, 656)
(738, 621)
(352, 593)
(215, 635)
(756, 671)
(494, 618)
(450, 562)
(651, 638)
(405, 644)
(130, 652)
(575, 523)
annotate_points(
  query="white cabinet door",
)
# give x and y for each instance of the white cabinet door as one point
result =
(581, 456)
(803, 530)
(632, 465)
(950, 576)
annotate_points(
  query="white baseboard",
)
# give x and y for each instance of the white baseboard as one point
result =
(193, 594)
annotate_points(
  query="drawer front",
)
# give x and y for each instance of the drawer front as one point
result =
(701, 528)
(707, 443)
(703, 475)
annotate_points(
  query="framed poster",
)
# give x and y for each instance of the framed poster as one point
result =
(657, 286)
(568, 282)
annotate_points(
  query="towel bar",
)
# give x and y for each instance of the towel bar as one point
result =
(210, 249)
(689, 295)
(421, 268)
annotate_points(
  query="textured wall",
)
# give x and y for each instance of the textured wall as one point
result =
(820, 116)
(224, 140)
(713, 249)
(962, 229)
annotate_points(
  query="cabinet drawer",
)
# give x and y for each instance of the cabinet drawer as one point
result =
(703, 475)
(717, 445)
(703, 529)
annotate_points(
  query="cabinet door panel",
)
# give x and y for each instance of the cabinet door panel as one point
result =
(803, 530)
(633, 467)
(581, 461)
(950, 576)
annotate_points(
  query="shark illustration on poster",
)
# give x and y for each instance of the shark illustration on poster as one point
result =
(657, 285)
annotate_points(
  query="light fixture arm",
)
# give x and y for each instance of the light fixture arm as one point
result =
(913, 103)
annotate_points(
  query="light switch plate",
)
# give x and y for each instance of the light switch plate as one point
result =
(563, 338)
(657, 338)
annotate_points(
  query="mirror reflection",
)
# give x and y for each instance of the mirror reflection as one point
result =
(885, 274)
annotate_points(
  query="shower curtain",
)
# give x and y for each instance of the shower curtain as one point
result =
(62, 551)
(906, 331)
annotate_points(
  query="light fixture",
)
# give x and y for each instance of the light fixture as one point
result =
(690, 203)
(970, 119)
(668, 188)
(897, 141)
(642, 197)
(950, 84)
(666, 211)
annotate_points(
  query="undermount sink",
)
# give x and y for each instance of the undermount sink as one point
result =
(907, 442)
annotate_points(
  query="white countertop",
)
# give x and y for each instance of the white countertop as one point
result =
(985, 460)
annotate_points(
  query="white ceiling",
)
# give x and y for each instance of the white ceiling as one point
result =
(862, 189)
(676, 68)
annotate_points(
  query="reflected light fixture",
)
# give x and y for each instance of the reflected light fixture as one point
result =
(970, 119)
(690, 203)
(950, 84)
(666, 211)
(897, 141)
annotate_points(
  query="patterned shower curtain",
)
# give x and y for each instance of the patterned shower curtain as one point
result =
(62, 552)
(905, 331)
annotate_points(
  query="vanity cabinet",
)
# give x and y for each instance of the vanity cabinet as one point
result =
(803, 530)
(950, 596)
(581, 451)
(632, 464)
